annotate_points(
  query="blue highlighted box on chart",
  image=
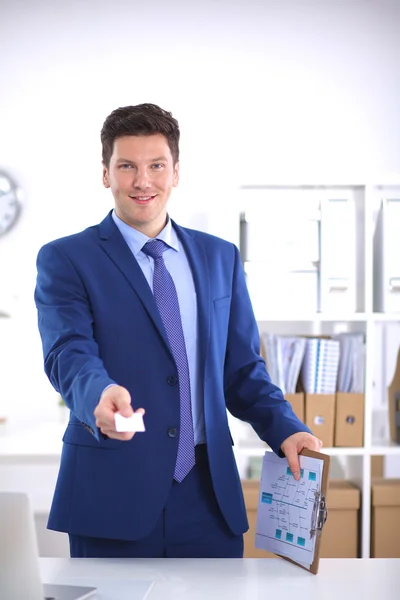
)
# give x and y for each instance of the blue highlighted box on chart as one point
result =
(278, 534)
(266, 498)
(312, 476)
(301, 541)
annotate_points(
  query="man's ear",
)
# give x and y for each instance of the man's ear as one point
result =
(176, 174)
(106, 182)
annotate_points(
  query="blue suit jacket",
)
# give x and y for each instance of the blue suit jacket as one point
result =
(99, 325)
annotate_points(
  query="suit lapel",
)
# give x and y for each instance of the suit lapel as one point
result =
(118, 251)
(198, 262)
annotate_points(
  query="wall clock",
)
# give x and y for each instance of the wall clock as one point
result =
(10, 202)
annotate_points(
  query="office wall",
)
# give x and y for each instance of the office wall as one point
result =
(263, 90)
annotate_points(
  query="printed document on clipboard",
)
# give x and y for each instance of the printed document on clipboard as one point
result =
(291, 514)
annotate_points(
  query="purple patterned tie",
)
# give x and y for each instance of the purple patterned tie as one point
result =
(168, 305)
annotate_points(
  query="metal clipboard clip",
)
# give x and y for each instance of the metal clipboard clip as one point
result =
(319, 514)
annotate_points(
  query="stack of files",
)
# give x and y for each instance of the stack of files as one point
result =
(284, 357)
(320, 366)
(351, 365)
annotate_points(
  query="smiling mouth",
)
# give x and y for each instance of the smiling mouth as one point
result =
(142, 199)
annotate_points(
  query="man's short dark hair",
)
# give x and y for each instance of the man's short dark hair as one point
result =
(142, 119)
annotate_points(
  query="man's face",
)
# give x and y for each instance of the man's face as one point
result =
(141, 176)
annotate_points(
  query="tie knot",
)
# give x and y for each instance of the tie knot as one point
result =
(154, 248)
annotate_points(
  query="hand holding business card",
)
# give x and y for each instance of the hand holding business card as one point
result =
(134, 423)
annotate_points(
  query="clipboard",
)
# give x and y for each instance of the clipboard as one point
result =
(319, 512)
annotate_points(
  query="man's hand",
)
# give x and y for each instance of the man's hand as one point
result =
(114, 399)
(295, 444)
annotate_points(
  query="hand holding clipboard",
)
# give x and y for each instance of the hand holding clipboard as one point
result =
(291, 513)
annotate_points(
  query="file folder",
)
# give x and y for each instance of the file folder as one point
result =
(268, 235)
(291, 514)
(386, 257)
(320, 366)
(320, 416)
(338, 255)
(273, 289)
(349, 419)
(280, 255)
(394, 403)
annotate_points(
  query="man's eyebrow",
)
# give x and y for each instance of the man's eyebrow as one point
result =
(131, 162)
(125, 160)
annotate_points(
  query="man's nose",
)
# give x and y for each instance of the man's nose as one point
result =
(142, 179)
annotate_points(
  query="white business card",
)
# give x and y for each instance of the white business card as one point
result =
(127, 424)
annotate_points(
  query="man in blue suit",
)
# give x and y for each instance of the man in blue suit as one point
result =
(138, 314)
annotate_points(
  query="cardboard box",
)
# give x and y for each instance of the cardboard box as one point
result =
(297, 402)
(320, 416)
(385, 530)
(394, 404)
(340, 534)
(377, 467)
(349, 419)
(251, 490)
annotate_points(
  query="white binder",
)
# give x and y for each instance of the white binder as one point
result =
(274, 291)
(274, 235)
(338, 255)
(279, 245)
(387, 257)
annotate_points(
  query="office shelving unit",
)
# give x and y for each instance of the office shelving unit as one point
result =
(381, 331)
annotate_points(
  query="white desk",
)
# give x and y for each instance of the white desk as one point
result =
(232, 579)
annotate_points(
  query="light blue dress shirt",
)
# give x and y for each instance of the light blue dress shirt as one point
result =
(178, 265)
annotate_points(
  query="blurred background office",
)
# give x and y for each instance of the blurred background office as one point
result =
(266, 92)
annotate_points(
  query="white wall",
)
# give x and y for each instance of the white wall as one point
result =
(263, 90)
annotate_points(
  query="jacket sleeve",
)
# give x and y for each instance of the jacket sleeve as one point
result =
(71, 355)
(250, 394)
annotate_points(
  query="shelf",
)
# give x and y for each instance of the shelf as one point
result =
(331, 317)
(290, 317)
(250, 451)
(385, 447)
(318, 317)
(385, 317)
(379, 447)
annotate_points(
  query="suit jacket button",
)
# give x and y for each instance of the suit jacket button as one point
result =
(172, 432)
(172, 380)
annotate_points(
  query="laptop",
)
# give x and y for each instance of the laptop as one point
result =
(19, 556)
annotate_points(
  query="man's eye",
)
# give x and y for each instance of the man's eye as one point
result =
(157, 166)
(125, 166)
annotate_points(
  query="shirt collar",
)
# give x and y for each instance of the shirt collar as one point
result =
(136, 239)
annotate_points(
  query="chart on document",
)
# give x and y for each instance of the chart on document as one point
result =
(286, 507)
